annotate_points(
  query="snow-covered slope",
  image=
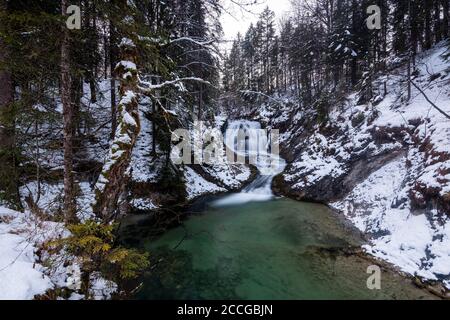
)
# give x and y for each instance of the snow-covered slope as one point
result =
(417, 243)
(27, 270)
(21, 277)
(385, 163)
(197, 186)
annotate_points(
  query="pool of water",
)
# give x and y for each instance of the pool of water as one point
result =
(280, 249)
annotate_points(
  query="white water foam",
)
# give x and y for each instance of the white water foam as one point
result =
(269, 165)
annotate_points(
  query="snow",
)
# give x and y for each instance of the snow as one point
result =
(127, 65)
(418, 242)
(317, 161)
(21, 277)
(145, 168)
(101, 289)
(129, 120)
(50, 198)
(22, 274)
(197, 186)
(125, 42)
(407, 240)
(231, 176)
(318, 165)
(127, 98)
(228, 176)
(143, 204)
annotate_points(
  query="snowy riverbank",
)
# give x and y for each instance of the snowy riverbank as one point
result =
(385, 164)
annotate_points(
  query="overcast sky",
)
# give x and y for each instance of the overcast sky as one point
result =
(240, 21)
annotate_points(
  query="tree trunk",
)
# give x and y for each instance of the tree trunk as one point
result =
(6, 89)
(112, 61)
(76, 95)
(445, 27)
(6, 96)
(409, 77)
(8, 172)
(112, 183)
(68, 115)
(428, 17)
(200, 103)
(437, 20)
(154, 130)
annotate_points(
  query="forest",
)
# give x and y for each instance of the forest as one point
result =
(94, 205)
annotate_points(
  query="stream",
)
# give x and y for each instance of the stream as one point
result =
(252, 245)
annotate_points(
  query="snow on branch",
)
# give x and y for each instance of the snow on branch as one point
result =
(188, 39)
(150, 87)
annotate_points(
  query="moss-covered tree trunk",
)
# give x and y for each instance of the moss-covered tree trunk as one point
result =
(112, 182)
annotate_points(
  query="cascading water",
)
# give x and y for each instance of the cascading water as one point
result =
(257, 145)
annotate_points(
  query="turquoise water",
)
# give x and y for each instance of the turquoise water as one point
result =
(281, 249)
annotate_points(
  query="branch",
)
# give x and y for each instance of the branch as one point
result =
(200, 43)
(243, 5)
(429, 101)
(207, 45)
(261, 94)
(149, 86)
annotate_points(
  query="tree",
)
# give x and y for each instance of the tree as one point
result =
(68, 115)
(267, 29)
(8, 179)
(112, 182)
(445, 21)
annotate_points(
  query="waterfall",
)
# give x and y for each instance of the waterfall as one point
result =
(257, 146)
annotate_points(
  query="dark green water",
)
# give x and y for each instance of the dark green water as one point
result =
(280, 249)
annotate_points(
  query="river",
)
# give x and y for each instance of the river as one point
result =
(252, 245)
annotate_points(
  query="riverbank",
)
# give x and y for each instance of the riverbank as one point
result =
(382, 163)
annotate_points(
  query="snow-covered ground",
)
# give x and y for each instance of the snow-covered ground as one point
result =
(26, 270)
(21, 276)
(197, 186)
(417, 243)
(49, 197)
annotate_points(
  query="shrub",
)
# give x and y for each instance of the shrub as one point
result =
(93, 243)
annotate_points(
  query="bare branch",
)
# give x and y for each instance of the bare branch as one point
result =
(429, 101)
